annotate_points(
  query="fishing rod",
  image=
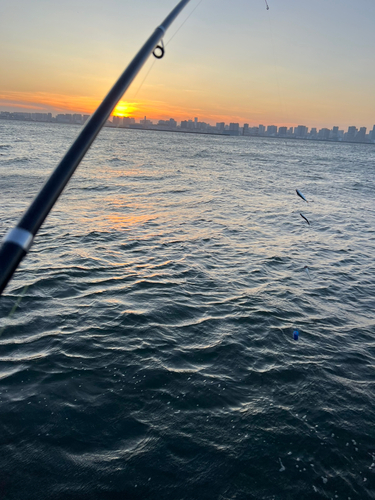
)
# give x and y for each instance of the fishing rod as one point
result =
(18, 240)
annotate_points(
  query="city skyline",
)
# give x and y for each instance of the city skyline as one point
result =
(353, 134)
(296, 63)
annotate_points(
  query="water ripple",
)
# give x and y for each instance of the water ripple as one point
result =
(152, 352)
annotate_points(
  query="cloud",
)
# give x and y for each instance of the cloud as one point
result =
(43, 101)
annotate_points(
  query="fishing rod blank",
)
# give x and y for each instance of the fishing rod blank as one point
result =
(17, 241)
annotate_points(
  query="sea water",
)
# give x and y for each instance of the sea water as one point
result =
(151, 354)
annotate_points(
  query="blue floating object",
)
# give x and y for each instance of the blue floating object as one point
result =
(295, 334)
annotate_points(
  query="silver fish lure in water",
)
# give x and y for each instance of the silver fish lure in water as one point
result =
(307, 272)
(301, 195)
(303, 217)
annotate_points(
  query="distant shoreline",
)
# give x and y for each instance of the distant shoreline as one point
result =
(196, 132)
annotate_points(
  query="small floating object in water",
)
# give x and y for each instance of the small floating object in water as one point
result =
(307, 272)
(267, 5)
(282, 469)
(301, 195)
(295, 334)
(303, 217)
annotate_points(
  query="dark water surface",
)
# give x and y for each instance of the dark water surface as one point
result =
(152, 355)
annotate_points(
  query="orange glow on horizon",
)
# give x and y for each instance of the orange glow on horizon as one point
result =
(45, 102)
(124, 109)
(154, 110)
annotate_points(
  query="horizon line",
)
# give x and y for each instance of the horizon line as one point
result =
(85, 114)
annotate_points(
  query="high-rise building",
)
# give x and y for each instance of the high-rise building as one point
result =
(127, 121)
(234, 129)
(335, 134)
(301, 131)
(351, 133)
(67, 118)
(117, 121)
(187, 125)
(168, 124)
(17, 115)
(313, 133)
(145, 123)
(361, 135)
(324, 134)
(272, 130)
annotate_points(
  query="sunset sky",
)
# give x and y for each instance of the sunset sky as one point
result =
(300, 62)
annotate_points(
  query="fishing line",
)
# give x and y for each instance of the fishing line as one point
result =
(276, 62)
(191, 13)
(169, 41)
(157, 57)
(14, 308)
(283, 107)
(143, 81)
(18, 240)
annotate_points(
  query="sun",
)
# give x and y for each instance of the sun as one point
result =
(123, 109)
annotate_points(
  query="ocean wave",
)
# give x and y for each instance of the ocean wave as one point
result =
(153, 352)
